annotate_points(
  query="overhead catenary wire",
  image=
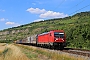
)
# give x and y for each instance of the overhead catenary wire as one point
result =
(75, 6)
(80, 9)
(60, 4)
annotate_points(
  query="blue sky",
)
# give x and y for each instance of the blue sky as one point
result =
(19, 12)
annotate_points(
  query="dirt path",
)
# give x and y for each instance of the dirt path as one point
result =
(2, 47)
(14, 53)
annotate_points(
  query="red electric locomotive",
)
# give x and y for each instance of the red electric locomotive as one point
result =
(55, 38)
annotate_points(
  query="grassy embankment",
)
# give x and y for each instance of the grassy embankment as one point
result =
(11, 52)
(23, 52)
(35, 53)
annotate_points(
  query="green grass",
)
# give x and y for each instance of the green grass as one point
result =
(30, 54)
(4, 52)
(37, 54)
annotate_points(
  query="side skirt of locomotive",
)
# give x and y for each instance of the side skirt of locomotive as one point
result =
(54, 45)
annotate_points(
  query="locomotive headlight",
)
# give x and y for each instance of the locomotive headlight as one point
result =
(62, 39)
(55, 39)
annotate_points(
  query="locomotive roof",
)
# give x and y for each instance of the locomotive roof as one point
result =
(44, 33)
(52, 30)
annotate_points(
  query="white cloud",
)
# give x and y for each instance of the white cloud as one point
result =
(13, 24)
(9, 23)
(36, 10)
(3, 19)
(46, 14)
(38, 20)
(52, 14)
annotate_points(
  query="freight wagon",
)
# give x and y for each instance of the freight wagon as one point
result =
(29, 40)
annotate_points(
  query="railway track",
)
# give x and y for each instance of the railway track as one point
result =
(80, 52)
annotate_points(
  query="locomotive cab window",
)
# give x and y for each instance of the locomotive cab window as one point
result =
(59, 35)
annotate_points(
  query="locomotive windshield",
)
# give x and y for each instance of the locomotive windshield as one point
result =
(59, 35)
